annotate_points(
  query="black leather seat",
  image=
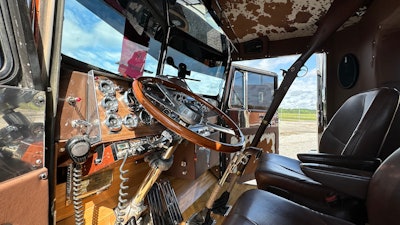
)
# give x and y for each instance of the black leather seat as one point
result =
(380, 190)
(354, 138)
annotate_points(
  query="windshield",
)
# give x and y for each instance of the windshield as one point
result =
(193, 18)
(90, 38)
(201, 78)
(99, 35)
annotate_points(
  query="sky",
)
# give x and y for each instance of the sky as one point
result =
(90, 39)
(95, 41)
(303, 92)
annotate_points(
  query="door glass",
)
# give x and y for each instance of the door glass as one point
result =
(252, 90)
(298, 110)
(237, 95)
(21, 131)
(260, 91)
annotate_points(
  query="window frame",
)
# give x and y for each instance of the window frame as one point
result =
(245, 90)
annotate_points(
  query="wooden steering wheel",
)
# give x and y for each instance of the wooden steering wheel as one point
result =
(163, 100)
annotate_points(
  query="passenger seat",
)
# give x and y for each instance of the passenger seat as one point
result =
(354, 138)
(381, 196)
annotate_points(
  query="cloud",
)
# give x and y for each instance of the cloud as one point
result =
(90, 39)
(271, 64)
(303, 92)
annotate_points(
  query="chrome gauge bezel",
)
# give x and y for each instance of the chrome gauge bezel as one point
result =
(130, 121)
(110, 103)
(107, 87)
(146, 118)
(113, 122)
(130, 101)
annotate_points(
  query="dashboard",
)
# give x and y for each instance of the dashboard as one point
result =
(103, 107)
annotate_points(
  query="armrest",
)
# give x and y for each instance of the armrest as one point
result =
(349, 181)
(351, 162)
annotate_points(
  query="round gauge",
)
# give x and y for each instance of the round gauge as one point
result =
(130, 101)
(107, 87)
(130, 121)
(145, 118)
(114, 122)
(110, 103)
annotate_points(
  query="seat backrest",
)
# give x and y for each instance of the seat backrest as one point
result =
(361, 124)
(392, 140)
(383, 197)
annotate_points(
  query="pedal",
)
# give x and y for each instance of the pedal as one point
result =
(171, 202)
(223, 211)
(163, 204)
(220, 206)
(156, 206)
(202, 217)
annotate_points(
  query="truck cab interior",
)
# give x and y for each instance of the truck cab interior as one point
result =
(139, 112)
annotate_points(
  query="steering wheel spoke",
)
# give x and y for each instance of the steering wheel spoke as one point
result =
(167, 95)
(179, 110)
(221, 128)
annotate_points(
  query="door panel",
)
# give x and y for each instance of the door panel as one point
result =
(23, 177)
(24, 199)
(250, 96)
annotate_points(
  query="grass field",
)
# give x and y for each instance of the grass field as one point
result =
(297, 114)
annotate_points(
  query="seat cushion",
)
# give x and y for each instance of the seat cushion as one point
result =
(276, 172)
(283, 176)
(264, 208)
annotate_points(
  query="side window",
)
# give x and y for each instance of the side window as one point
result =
(237, 95)
(252, 90)
(260, 91)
